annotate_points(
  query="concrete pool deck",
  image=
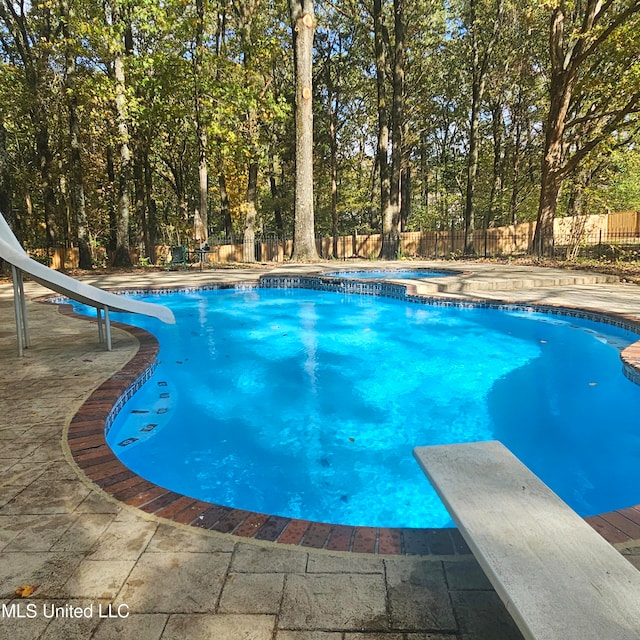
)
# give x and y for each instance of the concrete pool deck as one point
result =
(83, 549)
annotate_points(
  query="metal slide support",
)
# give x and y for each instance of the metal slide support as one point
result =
(100, 327)
(25, 317)
(107, 327)
(18, 311)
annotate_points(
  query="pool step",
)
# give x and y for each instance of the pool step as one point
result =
(465, 283)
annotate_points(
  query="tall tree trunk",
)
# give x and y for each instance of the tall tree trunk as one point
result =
(113, 215)
(225, 207)
(405, 197)
(45, 161)
(40, 118)
(332, 100)
(551, 184)
(246, 12)
(249, 237)
(122, 257)
(201, 131)
(5, 181)
(381, 39)
(515, 167)
(472, 169)
(140, 204)
(391, 232)
(424, 172)
(496, 182)
(275, 192)
(64, 207)
(304, 25)
(479, 66)
(563, 78)
(181, 195)
(75, 148)
(477, 90)
(152, 210)
(139, 136)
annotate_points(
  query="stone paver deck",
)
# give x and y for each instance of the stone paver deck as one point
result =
(96, 560)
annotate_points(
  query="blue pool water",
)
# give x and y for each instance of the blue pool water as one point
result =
(308, 404)
(397, 274)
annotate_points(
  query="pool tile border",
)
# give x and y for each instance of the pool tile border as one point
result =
(86, 439)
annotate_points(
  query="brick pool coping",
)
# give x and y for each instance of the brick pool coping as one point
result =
(87, 444)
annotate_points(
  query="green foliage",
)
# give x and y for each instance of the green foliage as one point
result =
(247, 102)
(616, 186)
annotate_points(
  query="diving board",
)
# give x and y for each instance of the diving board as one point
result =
(103, 301)
(557, 577)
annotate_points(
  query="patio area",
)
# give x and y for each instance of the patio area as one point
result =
(106, 570)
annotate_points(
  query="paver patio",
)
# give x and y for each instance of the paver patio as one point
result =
(85, 550)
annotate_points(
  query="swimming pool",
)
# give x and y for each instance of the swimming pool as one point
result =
(308, 403)
(395, 274)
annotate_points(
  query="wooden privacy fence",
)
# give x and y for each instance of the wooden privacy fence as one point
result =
(620, 227)
(570, 234)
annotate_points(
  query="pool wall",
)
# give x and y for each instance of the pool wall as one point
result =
(85, 438)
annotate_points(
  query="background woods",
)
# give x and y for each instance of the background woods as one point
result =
(129, 123)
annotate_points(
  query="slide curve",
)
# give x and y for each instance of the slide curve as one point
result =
(104, 301)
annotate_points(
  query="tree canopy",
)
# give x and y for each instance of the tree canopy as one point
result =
(125, 123)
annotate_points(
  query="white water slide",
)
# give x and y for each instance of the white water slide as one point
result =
(12, 252)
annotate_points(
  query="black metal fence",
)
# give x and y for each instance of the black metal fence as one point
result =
(500, 243)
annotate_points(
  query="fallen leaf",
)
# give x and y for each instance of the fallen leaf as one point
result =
(26, 590)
